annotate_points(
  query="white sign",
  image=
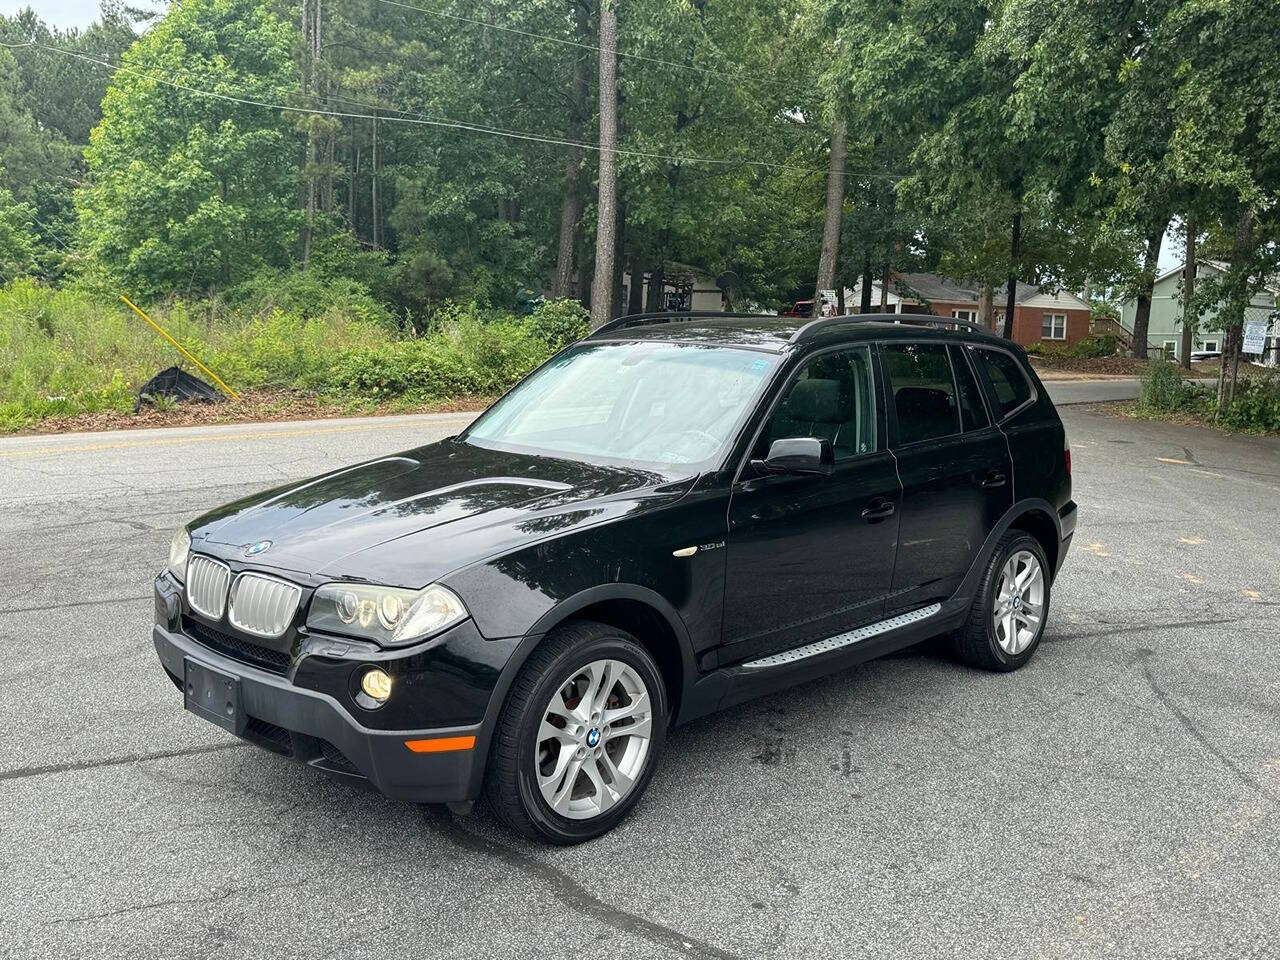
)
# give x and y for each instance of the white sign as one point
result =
(1255, 336)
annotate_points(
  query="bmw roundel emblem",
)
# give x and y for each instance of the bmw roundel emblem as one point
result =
(593, 737)
(254, 549)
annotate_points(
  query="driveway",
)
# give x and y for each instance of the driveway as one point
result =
(1119, 797)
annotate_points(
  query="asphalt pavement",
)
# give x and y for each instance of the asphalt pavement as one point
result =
(1118, 797)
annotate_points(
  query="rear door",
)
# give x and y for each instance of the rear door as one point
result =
(810, 557)
(957, 478)
(1027, 417)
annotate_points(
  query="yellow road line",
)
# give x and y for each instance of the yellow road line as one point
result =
(168, 441)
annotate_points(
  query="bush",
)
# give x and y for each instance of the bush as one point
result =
(463, 355)
(1104, 346)
(72, 351)
(1163, 389)
(1256, 405)
(560, 322)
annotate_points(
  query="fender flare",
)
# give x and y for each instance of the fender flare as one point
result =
(1007, 519)
(563, 610)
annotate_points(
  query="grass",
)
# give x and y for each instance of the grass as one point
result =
(66, 354)
(1255, 407)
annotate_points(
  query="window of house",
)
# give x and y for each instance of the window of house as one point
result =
(969, 315)
(1054, 326)
(831, 398)
(924, 391)
(1170, 350)
(1006, 376)
(1211, 345)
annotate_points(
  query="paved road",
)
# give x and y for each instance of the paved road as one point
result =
(1116, 798)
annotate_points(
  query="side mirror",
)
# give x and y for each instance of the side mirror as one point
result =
(803, 455)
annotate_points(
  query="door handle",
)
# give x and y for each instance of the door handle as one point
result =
(878, 509)
(994, 479)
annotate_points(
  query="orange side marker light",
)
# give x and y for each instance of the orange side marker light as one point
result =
(441, 744)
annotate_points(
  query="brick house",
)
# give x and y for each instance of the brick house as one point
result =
(1040, 315)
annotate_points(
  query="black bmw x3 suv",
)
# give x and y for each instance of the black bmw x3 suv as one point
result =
(672, 516)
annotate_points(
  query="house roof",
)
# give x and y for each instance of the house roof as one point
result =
(1272, 285)
(932, 287)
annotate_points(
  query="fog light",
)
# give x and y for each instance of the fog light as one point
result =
(376, 684)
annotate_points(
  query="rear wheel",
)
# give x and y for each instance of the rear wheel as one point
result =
(1010, 607)
(579, 736)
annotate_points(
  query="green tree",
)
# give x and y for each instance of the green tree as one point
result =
(189, 192)
(17, 239)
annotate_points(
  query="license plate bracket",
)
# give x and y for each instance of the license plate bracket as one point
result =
(213, 695)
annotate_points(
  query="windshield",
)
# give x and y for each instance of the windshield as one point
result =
(658, 405)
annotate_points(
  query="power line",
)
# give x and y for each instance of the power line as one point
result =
(423, 120)
(579, 44)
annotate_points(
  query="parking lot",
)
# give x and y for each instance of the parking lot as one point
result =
(1120, 797)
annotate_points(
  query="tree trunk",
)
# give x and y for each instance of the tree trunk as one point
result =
(1146, 282)
(1015, 257)
(864, 305)
(635, 293)
(831, 224)
(987, 307)
(657, 288)
(1189, 313)
(377, 226)
(840, 306)
(570, 193)
(1233, 321)
(607, 203)
(351, 186)
(884, 288)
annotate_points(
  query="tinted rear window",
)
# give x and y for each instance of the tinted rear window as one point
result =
(972, 411)
(1006, 376)
(924, 392)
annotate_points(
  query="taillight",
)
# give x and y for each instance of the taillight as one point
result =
(1066, 451)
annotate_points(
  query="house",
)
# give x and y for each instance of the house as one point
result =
(684, 288)
(1164, 332)
(1040, 315)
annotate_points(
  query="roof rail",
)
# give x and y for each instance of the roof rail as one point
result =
(920, 319)
(667, 316)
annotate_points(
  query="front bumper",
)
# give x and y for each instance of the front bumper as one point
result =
(314, 728)
(447, 693)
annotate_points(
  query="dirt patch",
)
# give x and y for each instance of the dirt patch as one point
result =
(1060, 367)
(255, 406)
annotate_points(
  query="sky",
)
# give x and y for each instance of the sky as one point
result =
(63, 13)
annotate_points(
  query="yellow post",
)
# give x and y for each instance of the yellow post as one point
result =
(231, 393)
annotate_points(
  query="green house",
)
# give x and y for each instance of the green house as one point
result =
(1165, 330)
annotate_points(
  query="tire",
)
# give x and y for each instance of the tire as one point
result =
(528, 773)
(983, 641)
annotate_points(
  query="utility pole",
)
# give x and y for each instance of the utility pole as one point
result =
(831, 225)
(607, 199)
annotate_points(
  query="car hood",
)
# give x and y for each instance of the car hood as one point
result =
(410, 518)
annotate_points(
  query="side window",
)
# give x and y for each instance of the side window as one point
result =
(831, 398)
(972, 412)
(924, 391)
(1006, 376)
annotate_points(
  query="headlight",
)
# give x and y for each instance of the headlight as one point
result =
(389, 616)
(179, 547)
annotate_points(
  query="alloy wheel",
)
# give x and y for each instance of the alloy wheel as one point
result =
(593, 740)
(1018, 609)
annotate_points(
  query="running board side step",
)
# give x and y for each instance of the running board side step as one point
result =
(842, 640)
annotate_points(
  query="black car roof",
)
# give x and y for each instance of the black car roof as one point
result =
(776, 334)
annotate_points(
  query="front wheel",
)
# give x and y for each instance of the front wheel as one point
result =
(1010, 607)
(579, 735)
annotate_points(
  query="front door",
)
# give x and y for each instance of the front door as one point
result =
(957, 478)
(810, 557)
